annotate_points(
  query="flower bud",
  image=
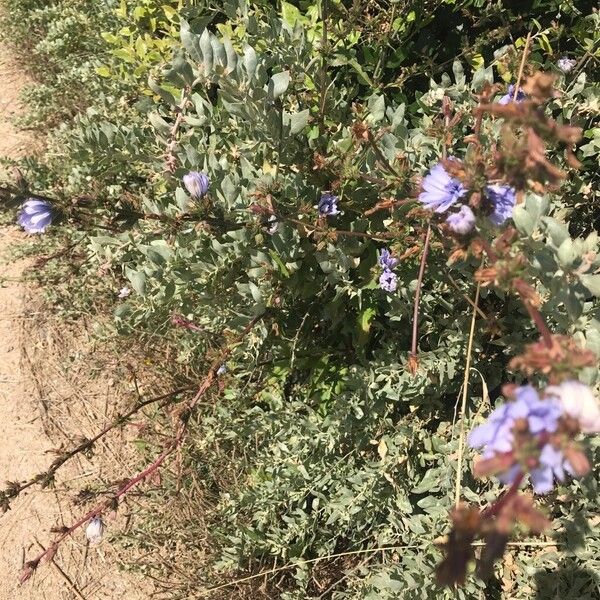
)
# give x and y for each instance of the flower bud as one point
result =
(578, 461)
(196, 184)
(95, 530)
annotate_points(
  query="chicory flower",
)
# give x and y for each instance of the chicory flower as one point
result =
(328, 205)
(388, 281)
(508, 97)
(566, 65)
(541, 417)
(386, 260)
(503, 199)
(440, 191)
(95, 530)
(35, 215)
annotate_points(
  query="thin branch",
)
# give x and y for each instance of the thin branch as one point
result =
(415, 326)
(323, 69)
(379, 154)
(461, 438)
(302, 562)
(381, 236)
(522, 66)
(183, 415)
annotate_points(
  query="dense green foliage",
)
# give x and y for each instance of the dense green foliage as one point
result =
(322, 442)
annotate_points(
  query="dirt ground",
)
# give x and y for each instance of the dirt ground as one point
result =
(48, 396)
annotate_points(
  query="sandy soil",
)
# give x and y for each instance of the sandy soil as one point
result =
(46, 387)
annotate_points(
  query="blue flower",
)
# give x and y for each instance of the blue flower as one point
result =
(440, 191)
(552, 465)
(328, 205)
(503, 199)
(496, 437)
(388, 281)
(35, 216)
(508, 97)
(196, 183)
(461, 222)
(566, 65)
(386, 260)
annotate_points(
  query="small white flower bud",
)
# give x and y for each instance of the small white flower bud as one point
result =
(95, 530)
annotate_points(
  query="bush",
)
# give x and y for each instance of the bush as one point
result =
(330, 436)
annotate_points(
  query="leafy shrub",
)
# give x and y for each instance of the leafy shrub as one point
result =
(328, 439)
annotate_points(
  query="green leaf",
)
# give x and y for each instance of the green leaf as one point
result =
(298, 121)
(592, 283)
(190, 41)
(159, 123)
(364, 78)
(278, 84)
(376, 106)
(138, 280)
(250, 61)
(567, 253)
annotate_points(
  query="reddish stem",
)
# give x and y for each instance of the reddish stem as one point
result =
(537, 318)
(494, 509)
(100, 508)
(170, 447)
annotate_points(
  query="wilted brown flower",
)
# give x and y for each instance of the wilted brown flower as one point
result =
(413, 364)
(559, 359)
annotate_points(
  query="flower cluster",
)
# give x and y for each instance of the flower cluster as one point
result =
(197, 184)
(388, 280)
(535, 434)
(442, 192)
(328, 205)
(35, 216)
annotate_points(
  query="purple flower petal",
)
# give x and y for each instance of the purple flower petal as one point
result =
(542, 480)
(440, 191)
(35, 216)
(388, 281)
(196, 183)
(503, 199)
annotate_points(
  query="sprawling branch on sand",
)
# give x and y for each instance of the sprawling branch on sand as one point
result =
(182, 414)
(45, 478)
